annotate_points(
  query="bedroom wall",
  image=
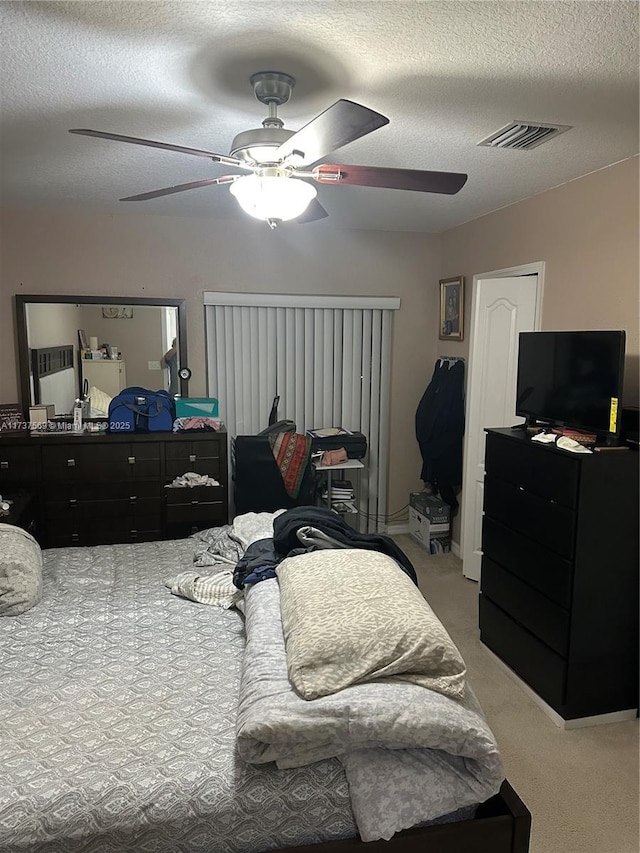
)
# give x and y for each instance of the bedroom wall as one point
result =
(586, 231)
(83, 252)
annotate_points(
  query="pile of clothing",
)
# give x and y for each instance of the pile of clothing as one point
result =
(249, 550)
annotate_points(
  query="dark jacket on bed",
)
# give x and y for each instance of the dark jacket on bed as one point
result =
(260, 559)
(285, 537)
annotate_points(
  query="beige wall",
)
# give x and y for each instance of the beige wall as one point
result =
(66, 252)
(139, 340)
(586, 232)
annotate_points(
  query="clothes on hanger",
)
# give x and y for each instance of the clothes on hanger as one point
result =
(439, 424)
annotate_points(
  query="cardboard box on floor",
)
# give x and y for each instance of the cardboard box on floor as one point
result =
(429, 522)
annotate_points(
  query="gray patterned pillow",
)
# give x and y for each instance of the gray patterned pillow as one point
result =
(351, 616)
(20, 570)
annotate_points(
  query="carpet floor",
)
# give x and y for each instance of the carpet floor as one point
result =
(580, 786)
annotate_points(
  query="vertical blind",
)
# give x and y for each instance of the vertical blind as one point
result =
(328, 358)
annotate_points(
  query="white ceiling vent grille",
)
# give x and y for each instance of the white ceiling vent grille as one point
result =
(523, 135)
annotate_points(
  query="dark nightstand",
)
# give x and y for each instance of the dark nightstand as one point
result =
(21, 512)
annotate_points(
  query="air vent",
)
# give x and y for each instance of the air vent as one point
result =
(523, 135)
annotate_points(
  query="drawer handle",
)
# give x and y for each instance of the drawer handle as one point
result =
(75, 537)
(195, 503)
(71, 463)
(131, 460)
(133, 498)
(521, 488)
(4, 465)
(192, 457)
(73, 503)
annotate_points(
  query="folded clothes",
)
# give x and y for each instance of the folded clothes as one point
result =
(197, 422)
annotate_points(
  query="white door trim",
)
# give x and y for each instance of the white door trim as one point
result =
(537, 267)
(521, 269)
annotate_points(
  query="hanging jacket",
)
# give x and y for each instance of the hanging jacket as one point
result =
(440, 428)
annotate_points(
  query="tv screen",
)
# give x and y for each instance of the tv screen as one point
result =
(571, 379)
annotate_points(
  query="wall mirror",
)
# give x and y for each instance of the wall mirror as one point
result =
(131, 333)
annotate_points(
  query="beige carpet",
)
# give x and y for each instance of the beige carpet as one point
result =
(580, 786)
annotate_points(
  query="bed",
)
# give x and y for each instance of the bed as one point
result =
(119, 704)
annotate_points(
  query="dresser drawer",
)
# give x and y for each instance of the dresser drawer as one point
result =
(19, 466)
(540, 667)
(547, 473)
(128, 490)
(182, 529)
(542, 520)
(200, 506)
(213, 512)
(539, 567)
(548, 621)
(201, 457)
(193, 495)
(95, 463)
(132, 510)
(101, 529)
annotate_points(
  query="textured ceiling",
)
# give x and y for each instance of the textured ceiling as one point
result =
(446, 74)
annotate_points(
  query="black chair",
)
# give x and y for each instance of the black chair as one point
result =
(257, 481)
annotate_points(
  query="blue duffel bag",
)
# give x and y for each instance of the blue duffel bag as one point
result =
(140, 410)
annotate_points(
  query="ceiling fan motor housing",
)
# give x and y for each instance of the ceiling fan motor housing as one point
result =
(272, 87)
(256, 146)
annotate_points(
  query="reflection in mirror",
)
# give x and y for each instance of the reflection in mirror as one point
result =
(72, 347)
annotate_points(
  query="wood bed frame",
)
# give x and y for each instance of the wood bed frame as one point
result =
(501, 825)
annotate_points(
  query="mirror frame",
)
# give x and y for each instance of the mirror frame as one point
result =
(22, 300)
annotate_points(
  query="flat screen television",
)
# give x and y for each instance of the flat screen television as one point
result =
(572, 380)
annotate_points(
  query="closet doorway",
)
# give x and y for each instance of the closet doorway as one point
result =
(504, 303)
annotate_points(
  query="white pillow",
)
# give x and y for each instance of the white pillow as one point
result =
(351, 616)
(20, 570)
(99, 402)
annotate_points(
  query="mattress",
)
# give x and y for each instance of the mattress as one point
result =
(118, 707)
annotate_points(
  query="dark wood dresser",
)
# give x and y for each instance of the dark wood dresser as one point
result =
(559, 585)
(98, 489)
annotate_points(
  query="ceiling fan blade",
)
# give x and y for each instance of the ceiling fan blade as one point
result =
(197, 152)
(313, 212)
(179, 188)
(339, 124)
(396, 179)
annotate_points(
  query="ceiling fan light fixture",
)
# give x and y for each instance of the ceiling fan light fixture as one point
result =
(273, 197)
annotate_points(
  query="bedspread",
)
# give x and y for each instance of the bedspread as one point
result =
(118, 709)
(410, 754)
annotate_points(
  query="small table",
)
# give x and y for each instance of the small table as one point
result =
(341, 466)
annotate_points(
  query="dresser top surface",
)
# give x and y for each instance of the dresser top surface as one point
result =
(523, 438)
(26, 438)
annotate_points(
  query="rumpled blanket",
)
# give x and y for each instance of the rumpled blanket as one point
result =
(219, 549)
(410, 754)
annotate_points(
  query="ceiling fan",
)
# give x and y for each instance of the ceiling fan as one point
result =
(281, 162)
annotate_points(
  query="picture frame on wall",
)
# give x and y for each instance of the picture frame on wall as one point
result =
(117, 312)
(452, 309)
